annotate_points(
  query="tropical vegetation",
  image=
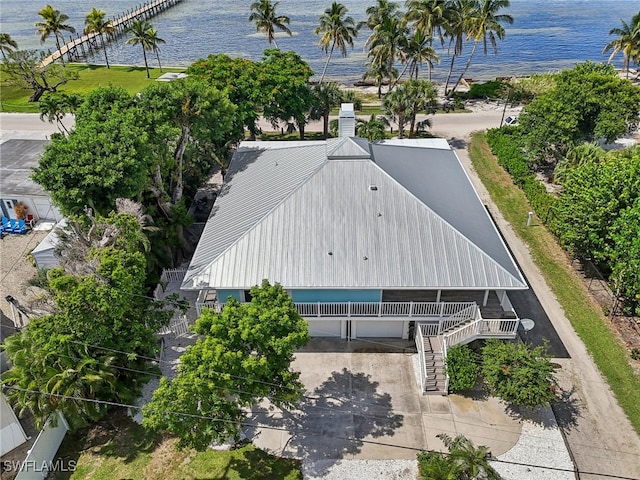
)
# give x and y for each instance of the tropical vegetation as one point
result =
(143, 34)
(336, 29)
(95, 22)
(52, 22)
(463, 461)
(627, 42)
(244, 355)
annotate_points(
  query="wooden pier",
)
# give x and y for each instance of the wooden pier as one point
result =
(83, 45)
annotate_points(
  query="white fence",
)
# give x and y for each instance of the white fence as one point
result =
(39, 460)
(173, 275)
(381, 309)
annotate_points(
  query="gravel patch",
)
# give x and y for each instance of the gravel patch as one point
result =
(541, 444)
(360, 469)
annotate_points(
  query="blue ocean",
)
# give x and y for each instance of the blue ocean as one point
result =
(547, 35)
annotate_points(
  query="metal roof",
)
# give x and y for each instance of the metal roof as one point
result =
(18, 159)
(294, 217)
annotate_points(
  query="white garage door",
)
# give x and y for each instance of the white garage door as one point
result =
(325, 328)
(380, 328)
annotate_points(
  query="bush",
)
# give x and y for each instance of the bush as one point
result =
(504, 144)
(491, 89)
(462, 367)
(518, 373)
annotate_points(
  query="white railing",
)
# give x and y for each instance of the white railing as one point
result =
(430, 329)
(382, 309)
(503, 328)
(470, 313)
(173, 275)
(422, 366)
(179, 326)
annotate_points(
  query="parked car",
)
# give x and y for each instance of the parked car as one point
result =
(511, 121)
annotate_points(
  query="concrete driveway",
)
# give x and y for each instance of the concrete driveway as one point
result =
(362, 401)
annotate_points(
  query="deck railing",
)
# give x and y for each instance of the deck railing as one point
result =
(371, 309)
(502, 328)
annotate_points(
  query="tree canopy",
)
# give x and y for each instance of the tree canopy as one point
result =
(588, 102)
(243, 356)
(519, 374)
(92, 345)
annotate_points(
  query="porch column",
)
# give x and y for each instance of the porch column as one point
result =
(486, 298)
(438, 295)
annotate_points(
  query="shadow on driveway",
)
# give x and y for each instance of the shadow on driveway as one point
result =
(336, 420)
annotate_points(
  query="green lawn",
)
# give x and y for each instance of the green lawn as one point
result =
(132, 79)
(119, 448)
(585, 316)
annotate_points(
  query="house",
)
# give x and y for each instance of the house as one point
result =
(386, 239)
(19, 157)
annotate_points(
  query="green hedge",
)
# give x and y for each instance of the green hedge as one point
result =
(509, 153)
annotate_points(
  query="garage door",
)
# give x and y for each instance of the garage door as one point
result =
(380, 328)
(325, 328)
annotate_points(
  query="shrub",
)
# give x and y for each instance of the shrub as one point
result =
(491, 89)
(518, 373)
(462, 367)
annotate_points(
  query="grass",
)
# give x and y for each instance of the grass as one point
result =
(117, 447)
(585, 316)
(132, 79)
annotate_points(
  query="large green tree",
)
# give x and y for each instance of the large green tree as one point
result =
(327, 96)
(263, 14)
(95, 22)
(101, 160)
(336, 29)
(588, 102)
(244, 355)
(53, 23)
(286, 82)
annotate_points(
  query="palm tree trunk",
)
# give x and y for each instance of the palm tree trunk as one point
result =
(158, 57)
(104, 47)
(326, 64)
(446, 85)
(58, 45)
(466, 67)
(275, 44)
(325, 124)
(144, 54)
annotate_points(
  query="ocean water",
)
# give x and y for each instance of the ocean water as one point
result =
(546, 35)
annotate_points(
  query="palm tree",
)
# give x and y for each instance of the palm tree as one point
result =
(397, 106)
(145, 35)
(378, 12)
(455, 27)
(7, 44)
(485, 23)
(336, 30)
(418, 50)
(327, 95)
(428, 18)
(373, 129)
(628, 42)
(53, 23)
(94, 22)
(386, 42)
(155, 41)
(263, 14)
(471, 462)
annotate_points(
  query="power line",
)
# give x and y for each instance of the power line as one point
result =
(295, 432)
(360, 402)
(342, 398)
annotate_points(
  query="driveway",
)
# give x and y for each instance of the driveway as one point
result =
(362, 401)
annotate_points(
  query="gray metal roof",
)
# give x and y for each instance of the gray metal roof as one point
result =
(294, 217)
(18, 158)
(437, 178)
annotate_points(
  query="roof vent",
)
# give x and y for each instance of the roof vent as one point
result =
(373, 187)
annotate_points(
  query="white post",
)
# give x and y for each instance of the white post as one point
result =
(529, 219)
(486, 298)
